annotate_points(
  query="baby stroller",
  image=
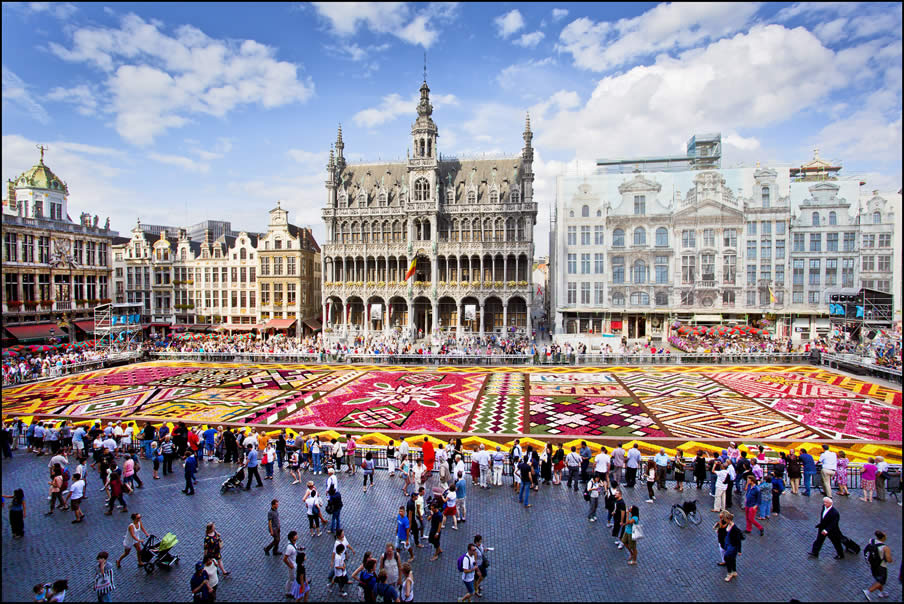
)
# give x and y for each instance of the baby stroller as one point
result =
(158, 552)
(234, 481)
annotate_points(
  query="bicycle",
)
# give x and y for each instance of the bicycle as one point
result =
(680, 513)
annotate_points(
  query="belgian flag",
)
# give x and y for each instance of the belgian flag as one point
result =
(410, 272)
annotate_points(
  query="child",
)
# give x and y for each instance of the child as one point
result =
(300, 588)
(778, 487)
(340, 577)
(765, 506)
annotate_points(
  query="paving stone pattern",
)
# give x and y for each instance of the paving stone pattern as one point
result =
(549, 552)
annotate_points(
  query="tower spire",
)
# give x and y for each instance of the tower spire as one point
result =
(425, 65)
(340, 147)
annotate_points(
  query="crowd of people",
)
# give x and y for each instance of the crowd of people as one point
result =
(27, 367)
(884, 349)
(732, 344)
(435, 481)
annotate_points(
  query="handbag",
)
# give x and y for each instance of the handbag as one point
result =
(636, 532)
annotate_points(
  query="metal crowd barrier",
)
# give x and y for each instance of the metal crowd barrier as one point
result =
(857, 363)
(72, 368)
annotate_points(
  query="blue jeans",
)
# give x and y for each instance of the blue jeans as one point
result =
(712, 485)
(104, 597)
(279, 459)
(316, 461)
(269, 468)
(766, 506)
(147, 454)
(334, 521)
(524, 493)
(808, 480)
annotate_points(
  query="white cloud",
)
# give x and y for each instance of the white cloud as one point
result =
(395, 18)
(186, 163)
(509, 23)
(667, 27)
(530, 40)
(393, 105)
(59, 10)
(81, 96)
(831, 31)
(157, 82)
(559, 13)
(15, 91)
(218, 150)
(515, 76)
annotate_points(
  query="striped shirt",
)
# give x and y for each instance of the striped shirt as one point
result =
(103, 581)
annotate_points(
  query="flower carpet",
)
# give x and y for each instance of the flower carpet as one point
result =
(723, 402)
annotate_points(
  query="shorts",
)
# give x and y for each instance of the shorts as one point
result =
(209, 447)
(449, 511)
(74, 504)
(469, 585)
(401, 545)
(880, 574)
(483, 569)
(79, 445)
(313, 521)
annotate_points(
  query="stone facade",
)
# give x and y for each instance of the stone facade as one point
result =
(466, 225)
(55, 271)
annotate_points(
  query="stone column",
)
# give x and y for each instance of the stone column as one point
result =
(459, 319)
(505, 318)
(410, 316)
(435, 326)
(482, 320)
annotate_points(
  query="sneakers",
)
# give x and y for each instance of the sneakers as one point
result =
(649, 501)
(866, 593)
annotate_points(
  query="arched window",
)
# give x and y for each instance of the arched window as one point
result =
(662, 299)
(499, 235)
(509, 229)
(640, 236)
(877, 217)
(343, 200)
(362, 199)
(599, 213)
(571, 213)
(833, 218)
(453, 236)
(640, 299)
(640, 271)
(472, 197)
(585, 211)
(618, 238)
(662, 237)
(421, 190)
(515, 196)
(765, 197)
(618, 299)
(382, 199)
(815, 219)
(242, 254)
(494, 196)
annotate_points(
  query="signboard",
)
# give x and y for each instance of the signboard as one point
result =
(376, 312)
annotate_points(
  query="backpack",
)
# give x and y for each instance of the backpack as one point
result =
(871, 554)
(461, 563)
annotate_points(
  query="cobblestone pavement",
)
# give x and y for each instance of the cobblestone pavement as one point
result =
(549, 552)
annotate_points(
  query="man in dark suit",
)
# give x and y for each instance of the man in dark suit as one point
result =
(828, 527)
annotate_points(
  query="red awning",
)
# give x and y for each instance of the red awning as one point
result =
(280, 323)
(314, 324)
(239, 327)
(25, 333)
(86, 326)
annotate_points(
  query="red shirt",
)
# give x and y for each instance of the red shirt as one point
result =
(193, 441)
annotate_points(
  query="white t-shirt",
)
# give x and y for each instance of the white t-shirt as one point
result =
(343, 541)
(290, 553)
(212, 578)
(310, 502)
(450, 498)
(602, 462)
(467, 563)
(829, 460)
(110, 444)
(77, 489)
(459, 467)
(117, 431)
(339, 561)
(404, 448)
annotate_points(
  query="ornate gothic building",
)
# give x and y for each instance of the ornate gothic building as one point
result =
(466, 227)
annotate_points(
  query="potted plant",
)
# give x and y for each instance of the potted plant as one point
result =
(13, 304)
(93, 301)
(46, 303)
(30, 304)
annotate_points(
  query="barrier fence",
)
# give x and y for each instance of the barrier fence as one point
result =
(848, 361)
(73, 368)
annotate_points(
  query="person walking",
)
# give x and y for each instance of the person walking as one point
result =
(251, 463)
(828, 527)
(573, 464)
(617, 465)
(76, 495)
(391, 564)
(268, 459)
(482, 563)
(829, 461)
(17, 514)
(314, 505)
(467, 566)
(651, 479)
(678, 463)
(619, 517)
(132, 539)
(191, 467)
(628, 537)
(367, 468)
(200, 584)
(764, 510)
(414, 527)
(103, 579)
(751, 503)
(699, 469)
(350, 448)
(868, 473)
(731, 546)
(273, 528)
(558, 464)
(289, 556)
(721, 526)
(498, 461)
(722, 485)
(116, 493)
(594, 488)
(407, 592)
(213, 544)
(878, 555)
(340, 574)
(461, 497)
(404, 530)
(56, 490)
(213, 577)
(526, 473)
(294, 466)
(436, 521)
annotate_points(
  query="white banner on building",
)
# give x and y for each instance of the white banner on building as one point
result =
(376, 312)
(470, 312)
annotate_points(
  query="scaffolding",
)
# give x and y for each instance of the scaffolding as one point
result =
(860, 315)
(117, 327)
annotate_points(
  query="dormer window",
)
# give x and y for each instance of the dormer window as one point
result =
(877, 218)
(277, 244)
(343, 200)
(472, 196)
(515, 196)
(362, 199)
(494, 196)
(421, 190)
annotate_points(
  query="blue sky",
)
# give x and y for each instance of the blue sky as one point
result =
(180, 112)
